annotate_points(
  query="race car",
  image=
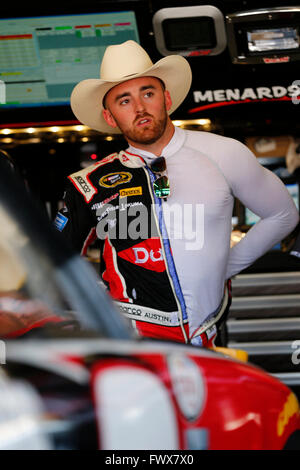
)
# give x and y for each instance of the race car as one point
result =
(74, 375)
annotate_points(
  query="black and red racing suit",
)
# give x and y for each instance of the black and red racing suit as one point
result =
(107, 200)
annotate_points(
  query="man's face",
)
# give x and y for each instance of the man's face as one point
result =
(139, 108)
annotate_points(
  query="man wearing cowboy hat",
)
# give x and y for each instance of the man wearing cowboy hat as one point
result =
(162, 209)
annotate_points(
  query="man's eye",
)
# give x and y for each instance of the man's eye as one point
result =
(149, 94)
(125, 101)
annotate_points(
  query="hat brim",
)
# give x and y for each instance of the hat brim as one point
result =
(87, 96)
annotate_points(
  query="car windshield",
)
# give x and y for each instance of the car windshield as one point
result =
(44, 287)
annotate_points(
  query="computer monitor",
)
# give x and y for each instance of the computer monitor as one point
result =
(267, 35)
(43, 58)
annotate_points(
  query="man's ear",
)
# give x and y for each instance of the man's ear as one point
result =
(168, 100)
(108, 117)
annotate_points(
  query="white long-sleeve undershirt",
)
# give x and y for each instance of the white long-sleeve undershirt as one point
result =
(206, 171)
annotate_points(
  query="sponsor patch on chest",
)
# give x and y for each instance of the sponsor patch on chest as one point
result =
(137, 191)
(114, 179)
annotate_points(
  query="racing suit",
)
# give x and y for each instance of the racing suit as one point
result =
(166, 262)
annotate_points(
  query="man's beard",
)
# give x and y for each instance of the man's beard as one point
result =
(146, 135)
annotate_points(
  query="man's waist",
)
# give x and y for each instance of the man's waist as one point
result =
(148, 314)
(170, 319)
(214, 317)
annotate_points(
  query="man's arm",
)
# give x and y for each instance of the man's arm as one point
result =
(264, 194)
(74, 219)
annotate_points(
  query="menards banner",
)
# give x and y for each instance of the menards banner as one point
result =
(214, 98)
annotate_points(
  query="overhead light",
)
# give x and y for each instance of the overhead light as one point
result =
(60, 140)
(6, 131)
(54, 129)
(204, 122)
(79, 128)
(30, 130)
(109, 138)
(192, 122)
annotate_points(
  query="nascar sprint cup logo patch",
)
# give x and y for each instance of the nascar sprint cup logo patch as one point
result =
(113, 179)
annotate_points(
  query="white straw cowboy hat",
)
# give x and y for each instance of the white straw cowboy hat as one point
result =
(123, 62)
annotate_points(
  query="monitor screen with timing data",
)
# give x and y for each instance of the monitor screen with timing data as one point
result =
(43, 58)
